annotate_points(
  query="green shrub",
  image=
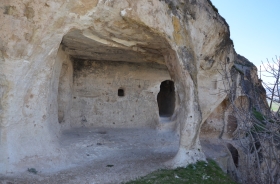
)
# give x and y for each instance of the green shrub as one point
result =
(201, 172)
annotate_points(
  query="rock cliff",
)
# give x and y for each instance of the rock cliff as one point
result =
(100, 63)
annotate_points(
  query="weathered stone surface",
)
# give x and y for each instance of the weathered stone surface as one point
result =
(229, 123)
(45, 43)
(96, 101)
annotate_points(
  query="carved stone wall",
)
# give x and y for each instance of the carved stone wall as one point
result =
(95, 99)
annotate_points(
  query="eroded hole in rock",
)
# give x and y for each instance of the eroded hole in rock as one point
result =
(166, 98)
(213, 126)
(234, 154)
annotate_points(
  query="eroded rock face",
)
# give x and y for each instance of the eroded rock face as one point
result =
(228, 123)
(54, 51)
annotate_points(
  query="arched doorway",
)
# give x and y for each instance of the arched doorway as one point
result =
(166, 99)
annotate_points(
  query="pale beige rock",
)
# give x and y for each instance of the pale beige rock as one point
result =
(41, 39)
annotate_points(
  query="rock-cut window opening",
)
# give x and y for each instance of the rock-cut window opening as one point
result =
(166, 99)
(120, 92)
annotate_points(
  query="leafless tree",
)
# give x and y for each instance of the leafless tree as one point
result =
(258, 132)
(272, 72)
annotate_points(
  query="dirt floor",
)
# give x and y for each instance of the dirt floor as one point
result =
(97, 156)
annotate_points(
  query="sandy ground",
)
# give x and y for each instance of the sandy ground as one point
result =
(97, 156)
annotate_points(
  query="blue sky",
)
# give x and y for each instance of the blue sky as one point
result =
(254, 27)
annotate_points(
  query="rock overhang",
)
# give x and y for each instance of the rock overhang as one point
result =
(86, 44)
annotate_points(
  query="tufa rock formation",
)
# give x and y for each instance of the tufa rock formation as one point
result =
(111, 64)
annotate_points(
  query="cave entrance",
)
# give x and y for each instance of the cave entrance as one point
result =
(108, 99)
(102, 86)
(166, 98)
